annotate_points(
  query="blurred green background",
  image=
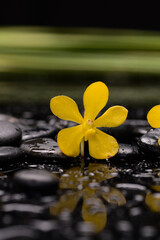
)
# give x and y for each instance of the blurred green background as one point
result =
(37, 63)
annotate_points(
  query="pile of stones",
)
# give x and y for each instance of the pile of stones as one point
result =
(31, 166)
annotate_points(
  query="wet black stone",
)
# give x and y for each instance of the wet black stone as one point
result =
(10, 134)
(51, 119)
(148, 143)
(121, 133)
(42, 149)
(38, 132)
(127, 151)
(8, 118)
(26, 122)
(54, 168)
(125, 132)
(60, 124)
(10, 155)
(139, 131)
(136, 123)
(35, 180)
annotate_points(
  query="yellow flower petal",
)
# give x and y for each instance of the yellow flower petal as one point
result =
(113, 117)
(153, 116)
(65, 108)
(69, 140)
(95, 98)
(94, 212)
(102, 145)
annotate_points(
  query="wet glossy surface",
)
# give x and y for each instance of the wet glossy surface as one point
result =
(10, 134)
(42, 149)
(46, 196)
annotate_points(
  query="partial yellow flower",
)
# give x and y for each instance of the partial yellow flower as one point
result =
(101, 145)
(153, 118)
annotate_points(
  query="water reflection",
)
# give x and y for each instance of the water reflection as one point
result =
(152, 199)
(87, 187)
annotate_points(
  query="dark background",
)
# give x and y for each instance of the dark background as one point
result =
(101, 14)
(135, 60)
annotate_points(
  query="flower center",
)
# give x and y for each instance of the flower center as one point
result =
(89, 129)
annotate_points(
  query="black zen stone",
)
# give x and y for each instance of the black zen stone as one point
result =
(31, 180)
(9, 155)
(124, 133)
(148, 143)
(38, 132)
(139, 131)
(127, 151)
(10, 134)
(8, 118)
(42, 149)
(64, 124)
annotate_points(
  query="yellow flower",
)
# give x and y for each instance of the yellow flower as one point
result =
(153, 118)
(101, 145)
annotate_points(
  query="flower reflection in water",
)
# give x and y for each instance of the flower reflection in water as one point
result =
(87, 186)
(153, 201)
(153, 198)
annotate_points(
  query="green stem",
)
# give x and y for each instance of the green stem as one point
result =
(82, 156)
(82, 148)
